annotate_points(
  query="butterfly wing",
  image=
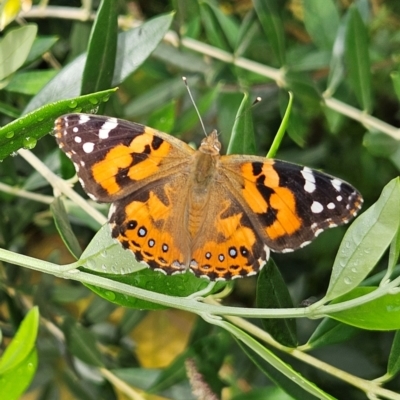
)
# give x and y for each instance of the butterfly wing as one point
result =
(114, 157)
(228, 244)
(289, 203)
(156, 232)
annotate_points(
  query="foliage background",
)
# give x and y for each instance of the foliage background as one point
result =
(140, 343)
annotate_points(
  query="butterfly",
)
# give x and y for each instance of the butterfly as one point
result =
(180, 209)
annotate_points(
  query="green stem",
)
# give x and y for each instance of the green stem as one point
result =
(187, 304)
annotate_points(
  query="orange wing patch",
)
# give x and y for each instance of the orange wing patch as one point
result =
(287, 221)
(234, 253)
(142, 232)
(141, 159)
(266, 197)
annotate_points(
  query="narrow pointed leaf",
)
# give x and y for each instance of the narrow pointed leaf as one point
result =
(14, 48)
(15, 381)
(394, 357)
(381, 314)
(102, 50)
(23, 342)
(64, 227)
(25, 131)
(242, 139)
(321, 19)
(268, 12)
(272, 292)
(357, 59)
(134, 47)
(330, 332)
(81, 343)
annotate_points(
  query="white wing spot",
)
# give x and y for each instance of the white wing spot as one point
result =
(92, 196)
(78, 139)
(110, 124)
(317, 232)
(111, 211)
(309, 177)
(337, 184)
(331, 206)
(287, 250)
(75, 129)
(316, 207)
(88, 147)
(339, 198)
(83, 118)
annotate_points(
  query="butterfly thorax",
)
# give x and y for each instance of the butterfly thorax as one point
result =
(210, 144)
(201, 179)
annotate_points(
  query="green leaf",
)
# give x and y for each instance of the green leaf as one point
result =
(81, 217)
(102, 49)
(221, 31)
(81, 342)
(268, 12)
(321, 19)
(134, 47)
(393, 367)
(15, 381)
(330, 332)
(336, 66)
(157, 96)
(64, 227)
(30, 82)
(14, 48)
(381, 314)
(282, 129)
(242, 140)
(22, 344)
(272, 292)
(394, 251)
(365, 242)
(106, 256)
(380, 145)
(396, 83)
(163, 119)
(304, 88)
(227, 104)
(24, 132)
(248, 30)
(296, 386)
(41, 45)
(188, 62)
(357, 59)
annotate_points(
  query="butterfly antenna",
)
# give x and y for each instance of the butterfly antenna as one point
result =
(257, 100)
(194, 104)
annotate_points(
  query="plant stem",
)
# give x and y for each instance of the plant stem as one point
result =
(61, 185)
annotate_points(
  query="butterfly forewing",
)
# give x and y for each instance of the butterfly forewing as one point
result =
(292, 204)
(114, 157)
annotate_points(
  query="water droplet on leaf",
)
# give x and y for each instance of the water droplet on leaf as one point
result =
(348, 280)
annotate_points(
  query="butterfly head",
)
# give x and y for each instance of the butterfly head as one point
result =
(210, 144)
